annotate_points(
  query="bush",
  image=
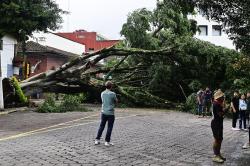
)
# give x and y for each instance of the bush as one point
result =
(22, 98)
(49, 105)
(70, 103)
(191, 104)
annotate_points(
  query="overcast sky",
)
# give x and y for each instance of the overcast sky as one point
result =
(103, 16)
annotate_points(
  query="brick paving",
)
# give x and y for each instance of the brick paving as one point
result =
(141, 137)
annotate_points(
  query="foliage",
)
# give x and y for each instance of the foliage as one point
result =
(238, 73)
(191, 64)
(191, 104)
(234, 14)
(22, 17)
(82, 97)
(49, 105)
(195, 85)
(69, 103)
(22, 98)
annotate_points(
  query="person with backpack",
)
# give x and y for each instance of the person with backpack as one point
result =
(109, 100)
(218, 112)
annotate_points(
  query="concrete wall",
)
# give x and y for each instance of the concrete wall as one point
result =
(7, 55)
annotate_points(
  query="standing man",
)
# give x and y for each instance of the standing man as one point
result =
(217, 125)
(207, 101)
(109, 100)
(235, 109)
(200, 102)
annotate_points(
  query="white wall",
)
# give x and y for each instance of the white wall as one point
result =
(7, 55)
(53, 40)
(222, 40)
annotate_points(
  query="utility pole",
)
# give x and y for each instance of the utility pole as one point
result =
(1, 85)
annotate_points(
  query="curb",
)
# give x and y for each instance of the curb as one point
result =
(12, 110)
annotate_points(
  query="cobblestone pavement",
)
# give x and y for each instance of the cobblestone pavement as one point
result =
(141, 137)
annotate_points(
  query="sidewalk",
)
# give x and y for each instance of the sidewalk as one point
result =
(11, 110)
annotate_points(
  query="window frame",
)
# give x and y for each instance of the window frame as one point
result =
(214, 30)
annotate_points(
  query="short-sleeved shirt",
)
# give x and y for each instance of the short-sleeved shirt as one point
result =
(242, 104)
(217, 110)
(235, 101)
(108, 102)
(200, 96)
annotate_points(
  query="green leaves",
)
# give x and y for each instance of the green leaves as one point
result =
(234, 15)
(21, 18)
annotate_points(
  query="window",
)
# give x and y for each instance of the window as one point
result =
(1, 44)
(91, 49)
(216, 30)
(202, 30)
(80, 36)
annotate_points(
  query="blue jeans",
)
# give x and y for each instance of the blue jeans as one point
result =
(200, 109)
(104, 119)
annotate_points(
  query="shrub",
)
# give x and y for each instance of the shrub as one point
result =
(22, 98)
(49, 105)
(69, 103)
(191, 104)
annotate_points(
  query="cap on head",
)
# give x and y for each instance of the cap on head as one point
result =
(108, 84)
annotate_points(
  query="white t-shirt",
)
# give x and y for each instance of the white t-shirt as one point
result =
(242, 105)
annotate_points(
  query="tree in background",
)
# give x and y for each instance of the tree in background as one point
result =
(191, 59)
(234, 15)
(21, 18)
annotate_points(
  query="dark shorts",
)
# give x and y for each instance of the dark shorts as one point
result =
(217, 129)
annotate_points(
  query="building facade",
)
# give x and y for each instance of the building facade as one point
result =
(91, 40)
(211, 31)
(7, 52)
(40, 59)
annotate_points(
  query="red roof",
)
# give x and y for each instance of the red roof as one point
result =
(91, 40)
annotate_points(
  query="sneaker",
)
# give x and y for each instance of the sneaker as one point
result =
(246, 145)
(217, 159)
(245, 129)
(235, 129)
(108, 144)
(97, 142)
(223, 158)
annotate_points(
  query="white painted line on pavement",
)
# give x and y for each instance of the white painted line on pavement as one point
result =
(47, 129)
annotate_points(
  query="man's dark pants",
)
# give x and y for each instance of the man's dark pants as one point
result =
(235, 117)
(104, 119)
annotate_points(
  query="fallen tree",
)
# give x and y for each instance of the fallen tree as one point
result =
(80, 74)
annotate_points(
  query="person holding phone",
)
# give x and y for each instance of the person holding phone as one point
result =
(109, 100)
(217, 125)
